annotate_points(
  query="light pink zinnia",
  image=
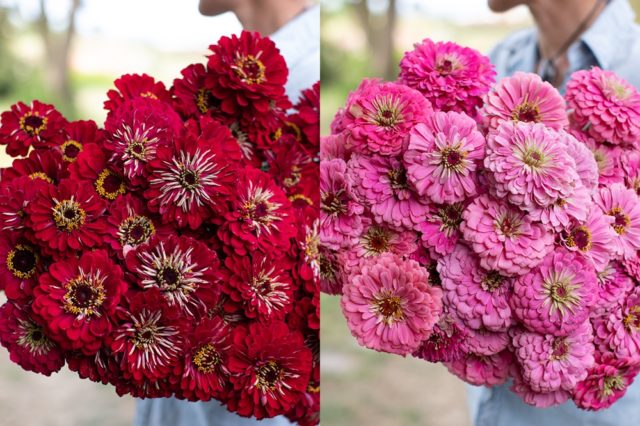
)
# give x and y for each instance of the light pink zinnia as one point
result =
(340, 211)
(443, 155)
(613, 287)
(451, 77)
(530, 165)
(604, 105)
(632, 266)
(441, 229)
(524, 97)
(592, 238)
(586, 164)
(618, 331)
(623, 205)
(631, 166)
(482, 370)
(607, 382)
(380, 115)
(559, 215)
(608, 158)
(550, 363)
(555, 298)
(503, 237)
(485, 342)
(538, 399)
(479, 298)
(335, 146)
(382, 184)
(389, 306)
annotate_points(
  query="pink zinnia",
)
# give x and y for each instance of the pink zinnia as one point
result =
(389, 304)
(613, 286)
(382, 184)
(623, 205)
(340, 211)
(451, 77)
(550, 363)
(380, 115)
(482, 370)
(441, 229)
(503, 237)
(443, 155)
(555, 298)
(479, 298)
(445, 344)
(618, 331)
(538, 399)
(607, 382)
(529, 165)
(524, 97)
(604, 105)
(484, 342)
(608, 159)
(631, 166)
(586, 164)
(331, 270)
(559, 215)
(592, 238)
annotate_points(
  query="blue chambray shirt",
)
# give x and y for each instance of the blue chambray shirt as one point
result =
(612, 43)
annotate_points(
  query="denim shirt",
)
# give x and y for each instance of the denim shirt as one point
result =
(612, 43)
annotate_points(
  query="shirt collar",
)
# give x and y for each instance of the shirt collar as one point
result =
(609, 32)
(299, 35)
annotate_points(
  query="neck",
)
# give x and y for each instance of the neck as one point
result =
(556, 24)
(268, 16)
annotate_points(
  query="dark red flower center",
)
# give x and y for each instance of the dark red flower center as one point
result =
(68, 216)
(580, 237)
(445, 65)
(632, 319)
(334, 203)
(32, 123)
(434, 275)
(145, 335)
(109, 185)
(509, 224)
(250, 69)
(169, 277)
(205, 101)
(70, 150)
(22, 261)
(559, 349)
(451, 216)
(33, 338)
(492, 281)
(84, 295)
(388, 307)
(622, 220)
(327, 268)
(377, 240)
(206, 358)
(527, 112)
(135, 230)
(137, 149)
(268, 375)
(397, 178)
(189, 179)
(387, 112)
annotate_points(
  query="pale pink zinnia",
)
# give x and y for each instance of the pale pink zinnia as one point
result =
(550, 363)
(631, 167)
(592, 238)
(484, 342)
(618, 330)
(538, 399)
(606, 382)
(529, 165)
(559, 215)
(555, 298)
(389, 305)
(451, 77)
(335, 146)
(503, 237)
(608, 158)
(524, 97)
(441, 229)
(382, 184)
(586, 164)
(623, 205)
(604, 105)
(443, 155)
(340, 211)
(613, 287)
(379, 116)
(483, 370)
(479, 298)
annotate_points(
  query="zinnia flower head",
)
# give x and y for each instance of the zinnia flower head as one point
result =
(389, 305)
(442, 157)
(445, 344)
(613, 287)
(92, 165)
(537, 399)
(24, 126)
(592, 238)
(192, 97)
(480, 370)
(72, 138)
(451, 77)
(529, 165)
(604, 105)
(607, 381)
(379, 117)
(441, 229)
(135, 86)
(556, 297)
(623, 205)
(618, 330)
(503, 237)
(524, 97)
(20, 266)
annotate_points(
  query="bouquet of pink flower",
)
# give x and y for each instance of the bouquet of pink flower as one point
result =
(174, 251)
(491, 227)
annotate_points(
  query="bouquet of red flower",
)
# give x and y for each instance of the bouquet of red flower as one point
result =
(174, 251)
(491, 227)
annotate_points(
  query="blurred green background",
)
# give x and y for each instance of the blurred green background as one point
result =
(367, 39)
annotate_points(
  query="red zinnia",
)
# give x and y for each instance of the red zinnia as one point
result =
(41, 165)
(19, 265)
(15, 196)
(307, 116)
(92, 166)
(74, 136)
(260, 216)
(77, 298)
(246, 71)
(26, 125)
(192, 98)
(150, 336)
(69, 216)
(205, 365)
(270, 368)
(189, 181)
(262, 282)
(27, 341)
(132, 86)
(177, 266)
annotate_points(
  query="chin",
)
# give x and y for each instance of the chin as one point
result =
(504, 5)
(214, 7)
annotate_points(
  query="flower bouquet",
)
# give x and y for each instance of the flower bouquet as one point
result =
(174, 251)
(492, 227)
